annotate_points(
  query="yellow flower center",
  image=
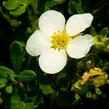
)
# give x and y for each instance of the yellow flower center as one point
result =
(60, 40)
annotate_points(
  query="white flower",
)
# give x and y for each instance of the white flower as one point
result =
(54, 40)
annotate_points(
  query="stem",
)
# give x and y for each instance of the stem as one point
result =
(53, 96)
(32, 13)
(28, 62)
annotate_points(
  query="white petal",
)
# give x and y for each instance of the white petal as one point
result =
(37, 43)
(52, 61)
(51, 21)
(78, 23)
(80, 46)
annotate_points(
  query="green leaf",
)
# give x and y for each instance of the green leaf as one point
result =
(29, 105)
(59, 1)
(16, 7)
(18, 11)
(27, 75)
(104, 31)
(77, 96)
(88, 95)
(5, 72)
(11, 4)
(9, 89)
(63, 84)
(94, 96)
(24, 105)
(1, 100)
(93, 31)
(15, 101)
(46, 89)
(78, 6)
(3, 81)
(2, 85)
(15, 22)
(17, 55)
(51, 4)
(98, 91)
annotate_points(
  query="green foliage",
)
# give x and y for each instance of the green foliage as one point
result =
(15, 23)
(46, 89)
(17, 55)
(88, 95)
(98, 91)
(1, 100)
(78, 6)
(2, 85)
(5, 75)
(9, 89)
(6, 72)
(10, 5)
(104, 31)
(77, 98)
(101, 40)
(12, 21)
(75, 5)
(27, 75)
(45, 85)
(16, 7)
(29, 105)
(17, 103)
(3, 81)
(53, 3)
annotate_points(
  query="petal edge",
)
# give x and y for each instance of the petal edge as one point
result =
(80, 46)
(78, 23)
(37, 43)
(51, 21)
(52, 61)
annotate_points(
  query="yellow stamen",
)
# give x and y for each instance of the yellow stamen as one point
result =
(60, 40)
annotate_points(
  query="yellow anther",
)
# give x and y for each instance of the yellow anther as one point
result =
(60, 40)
